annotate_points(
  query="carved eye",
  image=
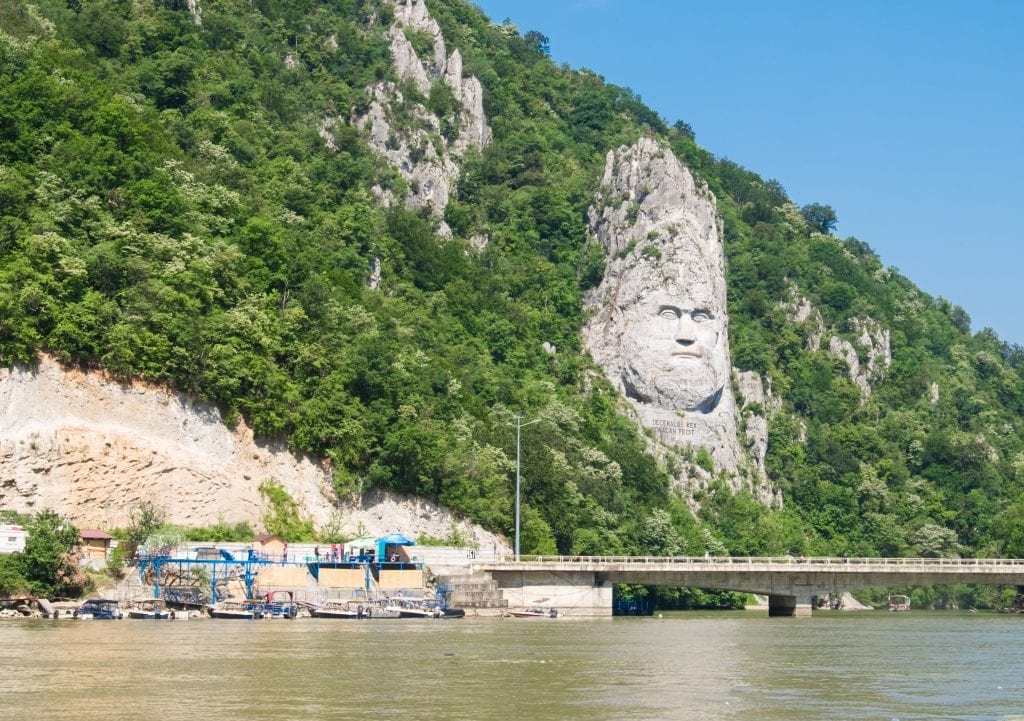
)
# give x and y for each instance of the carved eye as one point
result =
(668, 313)
(699, 316)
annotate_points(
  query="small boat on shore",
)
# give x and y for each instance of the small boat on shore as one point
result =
(279, 604)
(99, 608)
(151, 609)
(235, 609)
(412, 608)
(534, 613)
(339, 609)
(383, 610)
(417, 608)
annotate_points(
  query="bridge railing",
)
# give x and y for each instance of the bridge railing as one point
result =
(812, 562)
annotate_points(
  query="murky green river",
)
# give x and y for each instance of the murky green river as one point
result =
(687, 666)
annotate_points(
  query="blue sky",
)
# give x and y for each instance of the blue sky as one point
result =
(905, 117)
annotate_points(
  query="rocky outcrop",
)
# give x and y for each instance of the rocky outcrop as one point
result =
(658, 325)
(875, 342)
(757, 403)
(800, 311)
(423, 147)
(93, 449)
(871, 342)
(415, 147)
(195, 12)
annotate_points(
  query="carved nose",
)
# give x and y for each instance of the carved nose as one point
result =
(684, 331)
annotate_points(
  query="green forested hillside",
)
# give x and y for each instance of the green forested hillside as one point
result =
(168, 211)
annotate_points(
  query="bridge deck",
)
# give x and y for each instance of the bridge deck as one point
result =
(779, 575)
(816, 564)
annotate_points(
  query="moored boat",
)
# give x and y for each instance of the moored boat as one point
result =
(279, 604)
(416, 608)
(412, 608)
(898, 602)
(339, 609)
(99, 608)
(534, 613)
(150, 608)
(383, 610)
(235, 609)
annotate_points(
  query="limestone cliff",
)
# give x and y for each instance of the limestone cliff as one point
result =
(92, 449)
(423, 147)
(658, 324)
(871, 342)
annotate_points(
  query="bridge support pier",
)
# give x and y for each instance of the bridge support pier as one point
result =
(779, 605)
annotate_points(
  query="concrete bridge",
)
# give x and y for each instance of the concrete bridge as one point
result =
(582, 585)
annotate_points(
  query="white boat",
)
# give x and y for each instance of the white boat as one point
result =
(339, 609)
(383, 610)
(150, 608)
(534, 613)
(417, 609)
(898, 602)
(235, 609)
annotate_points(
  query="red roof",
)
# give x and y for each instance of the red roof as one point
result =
(89, 534)
(268, 537)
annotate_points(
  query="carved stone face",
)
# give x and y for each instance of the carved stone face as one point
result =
(671, 344)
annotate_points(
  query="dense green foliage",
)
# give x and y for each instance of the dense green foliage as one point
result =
(47, 567)
(168, 212)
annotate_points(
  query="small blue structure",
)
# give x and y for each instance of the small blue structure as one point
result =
(632, 607)
(387, 547)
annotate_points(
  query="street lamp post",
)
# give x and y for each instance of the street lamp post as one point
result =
(519, 425)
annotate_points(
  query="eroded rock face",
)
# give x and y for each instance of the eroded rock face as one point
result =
(423, 147)
(93, 449)
(757, 404)
(872, 340)
(658, 324)
(195, 12)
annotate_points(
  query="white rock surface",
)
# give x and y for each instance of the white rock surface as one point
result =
(93, 449)
(752, 391)
(417, 145)
(658, 325)
(195, 12)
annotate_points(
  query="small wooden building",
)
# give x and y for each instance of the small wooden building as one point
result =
(95, 545)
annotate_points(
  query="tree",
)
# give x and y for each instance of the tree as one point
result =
(685, 129)
(47, 566)
(146, 518)
(821, 217)
(538, 42)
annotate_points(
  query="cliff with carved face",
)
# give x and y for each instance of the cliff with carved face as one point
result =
(658, 325)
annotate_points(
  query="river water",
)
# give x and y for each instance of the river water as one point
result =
(742, 665)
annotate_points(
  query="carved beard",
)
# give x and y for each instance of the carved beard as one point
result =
(693, 386)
